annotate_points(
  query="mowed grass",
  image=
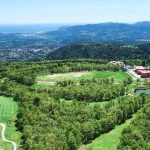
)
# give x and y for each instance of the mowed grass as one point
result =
(77, 76)
(118, 75)
(102, 104)
(108, 141)
(8, 112)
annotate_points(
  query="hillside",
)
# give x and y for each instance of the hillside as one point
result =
(104, 32)
(101, 51)
(27, 46)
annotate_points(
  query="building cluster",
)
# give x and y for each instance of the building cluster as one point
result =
(144, 73)
(116, 63)
(136, 71)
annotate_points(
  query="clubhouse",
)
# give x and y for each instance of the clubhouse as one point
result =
(142, 71)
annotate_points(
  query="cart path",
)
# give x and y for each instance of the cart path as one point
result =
(4, 138)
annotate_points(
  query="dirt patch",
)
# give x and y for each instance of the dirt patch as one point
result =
(51, 79)
(65, 75)
(45, 83)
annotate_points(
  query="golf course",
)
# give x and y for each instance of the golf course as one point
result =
(8, 112)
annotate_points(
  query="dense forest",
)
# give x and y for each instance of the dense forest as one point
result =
(102, 51)
(93, 91)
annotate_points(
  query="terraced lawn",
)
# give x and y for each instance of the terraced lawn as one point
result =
(108, 141)
(8, 111)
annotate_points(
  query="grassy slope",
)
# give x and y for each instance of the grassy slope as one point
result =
(8, 111)
(108, 141)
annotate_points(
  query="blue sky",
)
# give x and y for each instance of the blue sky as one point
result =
(73, 11)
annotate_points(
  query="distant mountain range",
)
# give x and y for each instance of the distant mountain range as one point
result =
(104, 32)
(23, 45)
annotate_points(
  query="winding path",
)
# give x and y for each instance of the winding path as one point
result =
(4, 138)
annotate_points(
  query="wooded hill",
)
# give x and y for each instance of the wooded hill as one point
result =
(102, 51)
(19, 46)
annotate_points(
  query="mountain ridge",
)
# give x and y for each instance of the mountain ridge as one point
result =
(104, 32)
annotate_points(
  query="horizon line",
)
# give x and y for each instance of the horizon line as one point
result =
(71, 23)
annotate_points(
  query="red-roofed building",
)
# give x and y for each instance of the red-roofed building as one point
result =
(137, 68)
(139, 72)
(145, 74)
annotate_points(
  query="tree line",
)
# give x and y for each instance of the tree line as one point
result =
(94, 91)
(25, 73)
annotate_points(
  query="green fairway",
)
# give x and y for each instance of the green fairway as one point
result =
(102, 104)
(40, 86)
(8, 111)
(108, 141)
(77, 76)
(118, 76)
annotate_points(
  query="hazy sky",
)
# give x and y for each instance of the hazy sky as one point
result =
(73, 11)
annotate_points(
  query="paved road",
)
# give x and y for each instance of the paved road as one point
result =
(133, 74)
(4, 138)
